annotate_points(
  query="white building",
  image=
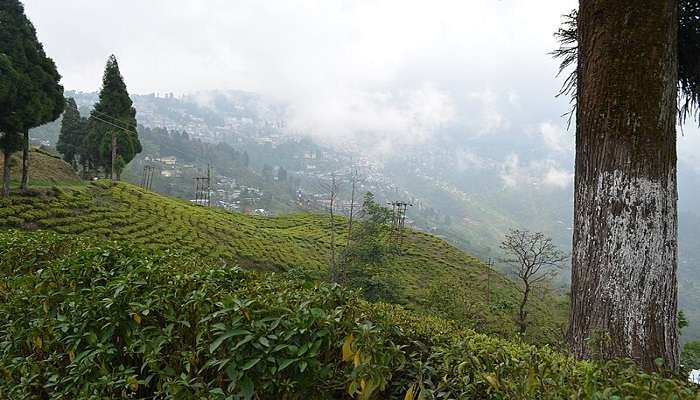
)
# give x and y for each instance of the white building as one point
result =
(167, 160)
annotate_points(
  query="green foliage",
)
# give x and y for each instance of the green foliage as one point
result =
(30, 94)
(113, 114)
(29, 82)
(302, 241)
(368, 243)
(364, 259)
(73, 133)
(690, 356)
(87, 319)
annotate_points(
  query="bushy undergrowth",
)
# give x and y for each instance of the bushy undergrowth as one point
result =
(106, 320)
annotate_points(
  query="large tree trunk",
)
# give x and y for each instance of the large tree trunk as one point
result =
(114, 156)
(6, 173)
(25, 161)
(625, 220)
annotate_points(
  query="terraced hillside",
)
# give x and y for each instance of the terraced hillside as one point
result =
(429, 276)
(45, 169)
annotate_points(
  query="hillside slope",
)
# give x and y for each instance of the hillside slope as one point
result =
(44, 169)
(429, 276)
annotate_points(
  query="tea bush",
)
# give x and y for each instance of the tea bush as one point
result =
(81, 318)
(127, 213)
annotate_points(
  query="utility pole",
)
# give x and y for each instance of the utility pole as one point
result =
(209, 185)
(147, 177)
(202, 188)
(149, 182)
(398, 211)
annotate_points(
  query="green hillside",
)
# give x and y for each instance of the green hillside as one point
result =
(428, 276)
(45, 169)
(83, 318)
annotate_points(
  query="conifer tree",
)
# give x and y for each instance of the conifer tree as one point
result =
(10, 141)
(112, 127)
(632, 60)
(72, 135)
(30, 93)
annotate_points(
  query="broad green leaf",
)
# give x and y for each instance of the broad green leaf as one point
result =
(219, 340)
(250, 364)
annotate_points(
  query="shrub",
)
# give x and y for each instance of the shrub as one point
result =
(80, 319)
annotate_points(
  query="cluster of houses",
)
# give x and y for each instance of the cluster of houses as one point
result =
(231, 196)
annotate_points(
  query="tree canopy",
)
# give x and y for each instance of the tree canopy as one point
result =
(113, 113)
(30, 93)
(29, 85)
(72, 135)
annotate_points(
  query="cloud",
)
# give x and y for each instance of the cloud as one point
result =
(344, 67)
(558, 178)
(538, 173)
(465, 160)
(689, 146)
(555, 138)
(409, 116)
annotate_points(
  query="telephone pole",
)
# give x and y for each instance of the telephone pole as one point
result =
(147, 177)
(208, 185)
(202, 188)
(398, 212)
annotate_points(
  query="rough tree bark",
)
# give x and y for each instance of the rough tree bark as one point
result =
(25, 161)
(114, 157)
(6, 173)
(625, 219)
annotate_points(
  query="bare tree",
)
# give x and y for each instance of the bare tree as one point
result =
(535, 260)
(354, 180)
(332, 189)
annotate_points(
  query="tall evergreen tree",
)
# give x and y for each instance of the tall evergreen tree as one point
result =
(34, 96)
(112, 130)
(631, 58)
(72, 135)
(10, 141)
(624, 290)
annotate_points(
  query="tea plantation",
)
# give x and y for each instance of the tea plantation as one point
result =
(82, 318)
(45, 169)
(429, 275)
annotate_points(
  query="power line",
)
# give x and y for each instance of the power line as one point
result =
(109, 123)
(114, 119)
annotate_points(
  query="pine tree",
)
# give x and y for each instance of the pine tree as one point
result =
(624, 290)
(30, 93)
(72, 135)
(10, 141)
(112, 126)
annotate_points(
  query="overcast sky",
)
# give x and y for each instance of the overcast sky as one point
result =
(378, 68)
